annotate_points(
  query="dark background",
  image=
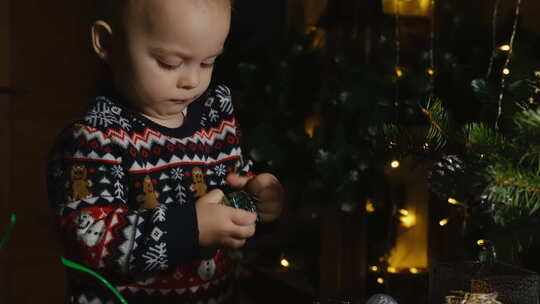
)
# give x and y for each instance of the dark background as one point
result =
(45, 59)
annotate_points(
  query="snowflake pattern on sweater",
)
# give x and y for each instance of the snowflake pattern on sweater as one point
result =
(124, 190)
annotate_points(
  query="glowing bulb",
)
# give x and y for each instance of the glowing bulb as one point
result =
(504, 47)
(374, 268)
(443, 222)
(403, 212)
(370, 207)
(426, 146)
(430, 72)
(414, 270)
(285, 263)
(391, 269)
(452, 201)
(399, 72)
(394, 164)
(506, 71)
(380, 281)
(408, 220)
(480, 242)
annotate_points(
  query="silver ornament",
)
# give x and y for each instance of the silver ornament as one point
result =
(381, 299)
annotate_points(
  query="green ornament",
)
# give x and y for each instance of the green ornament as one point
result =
(241, 200)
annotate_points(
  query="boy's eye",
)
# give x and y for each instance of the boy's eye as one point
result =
(209, 63)
(168, 65)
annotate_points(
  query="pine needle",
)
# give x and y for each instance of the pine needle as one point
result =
(438, 120)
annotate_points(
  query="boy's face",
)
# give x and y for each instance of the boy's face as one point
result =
(163, 59)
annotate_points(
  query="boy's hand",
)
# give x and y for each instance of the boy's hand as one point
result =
(222, 226)
(267, 188)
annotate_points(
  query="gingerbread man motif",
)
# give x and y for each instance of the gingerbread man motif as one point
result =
(149, 197)
(199, 186)
(79, 183)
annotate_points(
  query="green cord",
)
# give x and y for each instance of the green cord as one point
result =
(8, 231)
(76, 266)
(65, 261)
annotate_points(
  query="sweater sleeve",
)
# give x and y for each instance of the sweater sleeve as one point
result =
(88, 188)
(224, 106)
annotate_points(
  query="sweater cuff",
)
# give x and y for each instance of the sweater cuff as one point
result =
(183, 236)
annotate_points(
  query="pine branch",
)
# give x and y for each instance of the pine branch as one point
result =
(528, 122)
(438, 119)
(514, 191)
(483, 138)
(525, 186)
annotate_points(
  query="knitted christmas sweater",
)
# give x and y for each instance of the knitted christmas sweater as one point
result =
(124, 188)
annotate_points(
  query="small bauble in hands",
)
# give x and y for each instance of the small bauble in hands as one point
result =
(381, 299)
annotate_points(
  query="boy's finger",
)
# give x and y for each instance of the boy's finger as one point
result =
(235, 243)
(243, 232)
(214, 196)
(242, 218)
(236, 181)
(264, 184)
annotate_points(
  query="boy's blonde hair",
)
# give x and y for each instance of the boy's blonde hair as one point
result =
(111, 10)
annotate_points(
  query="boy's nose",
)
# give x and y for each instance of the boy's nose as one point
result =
(189, 79)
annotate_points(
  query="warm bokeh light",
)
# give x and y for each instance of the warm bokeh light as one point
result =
(380, 280)
(452, 201)
(506, 71)
(374, 268)
(414, 270)
(285, 263)
(504, 47)
(408, 220)
(403, 212)
(430, 72)
(370, 207)
(394, 164)
(391, 269)
(443, 222)
(399, 72)
(418, 8)
(480, 242)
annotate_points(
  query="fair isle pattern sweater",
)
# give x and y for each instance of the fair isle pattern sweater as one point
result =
(124, 188)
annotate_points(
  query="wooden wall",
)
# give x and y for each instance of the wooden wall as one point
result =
(4, 134)
(48, 56)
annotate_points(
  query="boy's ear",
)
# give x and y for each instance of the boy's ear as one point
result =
(102, 39)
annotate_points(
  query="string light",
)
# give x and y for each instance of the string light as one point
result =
(443, 222)
(431, 69)
(374, 268)
(370, 207)
(493, 37)
(481, 242)
(425, 146)
(285, 263)
(394, 164)
(399, 72)
(414, 270)
(408, 220)
(397, 42)
(403, 212)
(452, 201)
(391, 269)
(380, 281)
(504, 48)
(506, 70)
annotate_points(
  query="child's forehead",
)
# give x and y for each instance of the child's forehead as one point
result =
(176, 18)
